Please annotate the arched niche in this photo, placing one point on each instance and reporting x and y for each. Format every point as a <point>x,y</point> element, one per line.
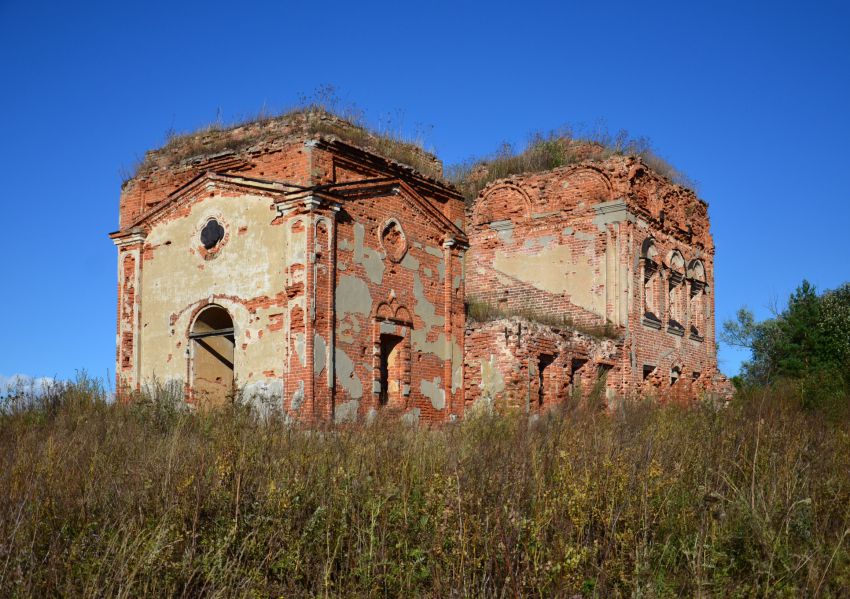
<point>501,202</point>
<point>698,289</point>
<point>676,300</point>
<point>585,185</point>
<point>651,277</point>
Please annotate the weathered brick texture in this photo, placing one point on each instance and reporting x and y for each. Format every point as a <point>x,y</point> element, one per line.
<point>604,243</point>
<point>324,280</point>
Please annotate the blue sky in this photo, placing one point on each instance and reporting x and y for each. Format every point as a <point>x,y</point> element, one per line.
<point>752,100</point>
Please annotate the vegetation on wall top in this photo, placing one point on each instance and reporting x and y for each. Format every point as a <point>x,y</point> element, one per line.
<point>562,147</point>
<point>323,113</point>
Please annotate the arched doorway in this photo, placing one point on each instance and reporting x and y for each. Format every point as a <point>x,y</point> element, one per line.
<point>212,342</point>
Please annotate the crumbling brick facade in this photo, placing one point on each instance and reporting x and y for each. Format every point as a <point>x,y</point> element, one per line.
<point>330,282</point>
<point>611,247</point>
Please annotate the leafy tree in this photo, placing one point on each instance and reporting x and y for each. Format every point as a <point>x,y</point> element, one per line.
<point>807,342</point>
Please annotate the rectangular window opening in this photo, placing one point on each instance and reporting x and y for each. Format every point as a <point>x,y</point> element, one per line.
<point>543,362</point>
<point>390,368</point>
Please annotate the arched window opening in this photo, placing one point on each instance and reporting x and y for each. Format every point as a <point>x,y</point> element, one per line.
<point>212,351</point>
<point>696,300</point>
<point>651,279</point>
<point>675,375</point>
<point>676,292</point>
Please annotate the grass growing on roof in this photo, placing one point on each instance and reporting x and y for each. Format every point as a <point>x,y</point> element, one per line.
<point>555,149</point>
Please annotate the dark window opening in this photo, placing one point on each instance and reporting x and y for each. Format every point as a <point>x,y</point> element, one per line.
<point>211,234</point>
<point>576,364</point>
<point>647,371</point>
<point>675,375</point>
<point>390,368</point>
<point>543,362</point>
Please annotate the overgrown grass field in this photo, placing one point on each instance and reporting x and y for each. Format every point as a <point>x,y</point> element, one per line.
<point>102,499</point>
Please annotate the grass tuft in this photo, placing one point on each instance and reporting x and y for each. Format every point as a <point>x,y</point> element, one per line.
<point>321,113</point>
<point>547,151</point>
<point>145,499</point>
<point>482,311</point>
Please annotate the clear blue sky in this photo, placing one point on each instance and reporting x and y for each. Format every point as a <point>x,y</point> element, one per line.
<point>752,100</point>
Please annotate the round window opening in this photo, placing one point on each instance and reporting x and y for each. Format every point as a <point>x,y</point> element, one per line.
<point>211,234</point>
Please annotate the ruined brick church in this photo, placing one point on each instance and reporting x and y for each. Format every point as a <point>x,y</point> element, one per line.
<point>299,262</point>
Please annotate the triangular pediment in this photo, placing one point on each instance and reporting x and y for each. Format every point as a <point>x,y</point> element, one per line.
<point>210,181</point>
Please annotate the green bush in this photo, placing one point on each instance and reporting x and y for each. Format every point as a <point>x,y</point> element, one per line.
<point>806,344</point>
<point>142,499</point>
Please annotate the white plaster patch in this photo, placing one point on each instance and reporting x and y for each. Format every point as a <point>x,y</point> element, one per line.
<point>504,229</point>
<point>371,259</point>
<point>409,262</point>
<point>492,383</point>
<point>538,241</point>
<point>346,411</point>
<point>411,418</point>
<point>423,308</point>
<point>434,391</point>
<point>264,396</point>
<point>352,296</point>
<point>320,354</point>
<point>437,252</point>
<point>557,270</point>
<point>301,348</point>
<point>346,375</point>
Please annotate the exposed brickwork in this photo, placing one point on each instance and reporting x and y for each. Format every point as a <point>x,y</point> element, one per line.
<point>605,243</point>
<point>339,280</point>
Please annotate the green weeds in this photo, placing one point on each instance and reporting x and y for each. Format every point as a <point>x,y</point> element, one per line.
<point>148,499</point>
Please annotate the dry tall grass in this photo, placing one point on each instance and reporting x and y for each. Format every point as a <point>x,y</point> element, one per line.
<point>99,499</point>
<point>322,113</point>
<point>478,310</point>
<point>555,149</point>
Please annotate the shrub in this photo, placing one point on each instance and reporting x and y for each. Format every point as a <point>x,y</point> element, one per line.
<point>105,499</point>
<point>807,344</point>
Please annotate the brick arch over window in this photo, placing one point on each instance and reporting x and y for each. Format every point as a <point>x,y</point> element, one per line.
<point>698,288</point>
<point>676,292</point>
<point>503,201</point>
<point>391,335</point>
<point>586,184</point>
<point>651,278</point>
<point>212,352</point>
